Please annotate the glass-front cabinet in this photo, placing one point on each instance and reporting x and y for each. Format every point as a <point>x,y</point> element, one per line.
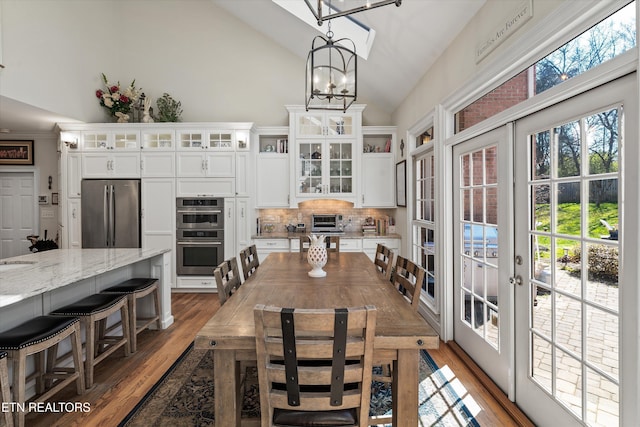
<point>325,167</point>
<point>326,156</point>
<point>326,124</point>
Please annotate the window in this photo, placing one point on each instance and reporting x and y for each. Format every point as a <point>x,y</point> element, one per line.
<point>602,42</point>
<point>424,245</point>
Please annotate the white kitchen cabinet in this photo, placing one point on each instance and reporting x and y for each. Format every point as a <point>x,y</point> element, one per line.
<point>378,168</point>
<point>158,215</point>
<point>378,181</point>
<point>370,244</point>
<point>120,140</point>
<point>230,228</point>
<point>244,223</point>
<point>350,245</point>
<point>201,283</point>
<point>74,224</point>
<point>207,187</point>
<point>74,174</point>
<point>266,246</point>
<point>157,153</point>
<point>243,173</point>
<point>323,124</point>
<point>326,153</point>
<point>205,163</point>
<point>272,180</point>
<point>111,165</point>
<point>157,164</point>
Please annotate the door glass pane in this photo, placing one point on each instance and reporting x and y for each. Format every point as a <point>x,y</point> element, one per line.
<point>574,283</point>
<point>310,168</point>
<point>479,246</point>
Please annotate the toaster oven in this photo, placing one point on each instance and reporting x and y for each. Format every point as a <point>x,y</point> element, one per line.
<point>326,223</point>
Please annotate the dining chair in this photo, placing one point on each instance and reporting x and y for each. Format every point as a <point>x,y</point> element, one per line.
<point>249,260</point>
<point>384,260</point>
<point>407,279</point>
<point>227,278</point>
<point>332,242</point>
<point>314,365</point>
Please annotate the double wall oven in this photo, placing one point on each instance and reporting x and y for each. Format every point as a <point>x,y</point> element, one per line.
<point>200,235</point>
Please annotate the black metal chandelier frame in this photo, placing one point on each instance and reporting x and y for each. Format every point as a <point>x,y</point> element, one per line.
<point>317,11</point>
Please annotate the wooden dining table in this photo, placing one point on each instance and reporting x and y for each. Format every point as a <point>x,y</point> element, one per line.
<point>352,280</point>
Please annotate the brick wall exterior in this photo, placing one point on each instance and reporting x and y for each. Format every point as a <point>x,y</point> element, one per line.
<point>506,95</point>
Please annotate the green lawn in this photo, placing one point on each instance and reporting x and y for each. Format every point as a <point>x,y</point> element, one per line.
<point>568,222</point>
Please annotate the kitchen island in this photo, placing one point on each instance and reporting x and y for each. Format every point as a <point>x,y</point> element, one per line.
<point>35,284</point>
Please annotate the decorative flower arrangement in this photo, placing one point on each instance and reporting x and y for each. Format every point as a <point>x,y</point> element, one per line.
<point>117,100</point>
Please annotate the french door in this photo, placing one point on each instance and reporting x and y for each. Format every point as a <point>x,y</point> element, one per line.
<point>483,250</point>
<point>568,224</point>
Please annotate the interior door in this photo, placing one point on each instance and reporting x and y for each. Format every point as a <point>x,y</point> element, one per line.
<point>17,213</point>
<point>483,252</point>
<point>568,230</point>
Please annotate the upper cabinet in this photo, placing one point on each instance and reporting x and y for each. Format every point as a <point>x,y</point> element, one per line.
<point>324,157</point>
<point>272,179</point>
<point>378,176</point>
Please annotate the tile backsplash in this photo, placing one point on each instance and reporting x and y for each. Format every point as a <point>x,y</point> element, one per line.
<point>280,218</point>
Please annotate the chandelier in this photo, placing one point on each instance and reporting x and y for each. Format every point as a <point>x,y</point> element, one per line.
<point>331,75</point>
<point>335,13</point>
<point>330,82</point>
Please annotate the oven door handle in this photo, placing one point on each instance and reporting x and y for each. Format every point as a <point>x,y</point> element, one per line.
<point>199,243</point>
<point>200,211</point>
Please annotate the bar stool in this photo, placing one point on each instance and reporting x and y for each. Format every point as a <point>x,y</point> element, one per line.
<point>4,387</point>
<point>135,289</point>
<point>94,310</point>
<point>34,337</point>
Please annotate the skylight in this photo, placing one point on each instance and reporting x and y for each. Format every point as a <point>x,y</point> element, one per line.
<point>343,27</point>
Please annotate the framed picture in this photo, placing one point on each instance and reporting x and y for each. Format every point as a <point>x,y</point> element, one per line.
<point>16,152</point>
<point>401,183</point>
<point>54,198</point>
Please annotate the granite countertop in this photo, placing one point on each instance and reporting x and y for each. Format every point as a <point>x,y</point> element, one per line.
<point>346,235</point>
<point>29,275</point>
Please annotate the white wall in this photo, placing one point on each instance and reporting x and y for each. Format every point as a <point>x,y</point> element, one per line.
<point>218,67</point>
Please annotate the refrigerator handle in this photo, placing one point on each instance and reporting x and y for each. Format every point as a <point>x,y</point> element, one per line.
<point>113,216</point>
<point>105,216</point>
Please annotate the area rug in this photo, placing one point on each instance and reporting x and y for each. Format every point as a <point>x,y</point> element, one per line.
<point>184,396</point>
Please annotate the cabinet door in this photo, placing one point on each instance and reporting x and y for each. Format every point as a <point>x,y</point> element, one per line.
<point>190,164</point>
<point>158,206</point>
<point>378,180</point>
<point>157,164</point>
<point>74,225</point>
<point>243,226</point>
<point>309,168</point>
<point>339,168</point>
<point>243,171</point>
<point>230,224</point>
<point>96,165</point>
<point>125,165</point>
<point>220,165</point>
<point>272,181</point>
<point>74,174</point>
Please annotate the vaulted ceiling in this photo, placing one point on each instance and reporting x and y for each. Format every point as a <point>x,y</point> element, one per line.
<point>408,40</point>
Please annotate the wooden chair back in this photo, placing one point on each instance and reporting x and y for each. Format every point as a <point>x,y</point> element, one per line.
<point>384,260</point>
<point>327,356</point>
<point>408,279</point>
<point>249,260</point>
<point>227,279</point>
<point>332,242</point>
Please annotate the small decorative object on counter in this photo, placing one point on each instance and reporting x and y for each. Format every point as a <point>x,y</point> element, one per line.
<point>317,255</point>
<point>169,110</point>
<point>148,111</point>
<point>117,100</point>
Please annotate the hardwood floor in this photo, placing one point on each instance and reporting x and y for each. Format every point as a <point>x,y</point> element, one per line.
<point>121,382</point>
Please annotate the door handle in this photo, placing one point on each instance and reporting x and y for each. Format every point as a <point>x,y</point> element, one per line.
<point>515,280</point>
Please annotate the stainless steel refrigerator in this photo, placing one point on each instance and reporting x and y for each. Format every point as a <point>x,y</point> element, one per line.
<point>110,213</point>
